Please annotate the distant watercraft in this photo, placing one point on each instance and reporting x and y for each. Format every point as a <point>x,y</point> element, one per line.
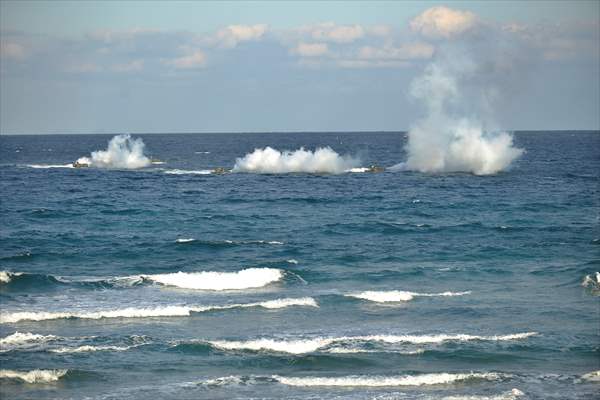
<point>375,168</point>
<point>77,164</point>
<point>220,171</point>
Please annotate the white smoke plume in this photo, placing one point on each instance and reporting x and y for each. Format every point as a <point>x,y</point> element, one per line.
<point>122,152</point>
<point>271,161</point>
<point>459,89</point>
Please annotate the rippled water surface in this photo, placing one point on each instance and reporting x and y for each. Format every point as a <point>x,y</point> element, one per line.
<point>160,283</point>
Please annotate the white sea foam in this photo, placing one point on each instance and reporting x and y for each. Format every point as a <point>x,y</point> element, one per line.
<point>165,311</point>
<point>309,345</point>
<point>377,381</point>
<point>34,376</point>
<point>6,276</point>
<point>424,339</point>
<point>122,152</point>
<point>19,338</point>
<point>88,348</point>
<point>292,261</point>
<point>593,376</point>
<point>185,240</point>
<point>44,166</point>
<point>511,395</point>
<point>298,346</point>
<point>209,280</point>
<point>592,281</point>
<point>188,172</point>
<point>271,161</point>
<point>399,295</point>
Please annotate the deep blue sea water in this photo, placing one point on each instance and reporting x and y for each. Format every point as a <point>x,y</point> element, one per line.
<point>492,265</point>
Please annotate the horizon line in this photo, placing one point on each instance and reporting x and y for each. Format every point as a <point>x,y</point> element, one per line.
<point>277,132</point>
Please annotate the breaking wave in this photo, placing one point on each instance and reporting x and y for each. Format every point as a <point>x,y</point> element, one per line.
<point>271,161</point>
<point>398,295</point>
<point>513,394</point>
<point>34,376</point>
<point>379,381</point>
<point>592,282</point>
<point>19,338</point>
<point>593,376</point>
<point>6,276</point>
<point>309,345</point>
<point>122,152</point>
<point>210,280</point>
<point>165,311</point>
<point>204,280</point>
<point>88,348</point>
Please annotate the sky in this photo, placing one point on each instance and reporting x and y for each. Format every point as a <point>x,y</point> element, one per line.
<point>191,66</point>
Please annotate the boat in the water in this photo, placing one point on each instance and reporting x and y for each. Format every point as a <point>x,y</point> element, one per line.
<point>77,164</point>
<point>220,171</point>
<point>375,168</point>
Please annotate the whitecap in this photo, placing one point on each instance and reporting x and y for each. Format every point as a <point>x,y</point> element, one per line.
<point>164,311</point>
<point>593,376</point>
<point>298,346</point>
<point>292,261</point>
<point>188,172</point>
<point>399,295</point>
<point>381,381</point>
<point>34,376</point>
<point>424,339</point>
<point>313,344</point>
<point>19,338</point>
<point>88,348</point>
<point>511,395</point>
<point>210,280</point>
<point>6,276</point>
<point>592,282</point>
<point>185,240</point>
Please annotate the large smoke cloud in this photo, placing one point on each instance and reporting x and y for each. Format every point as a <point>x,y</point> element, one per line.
<point>459,88</point>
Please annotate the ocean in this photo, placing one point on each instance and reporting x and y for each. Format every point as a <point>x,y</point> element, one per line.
<point>176,281</point>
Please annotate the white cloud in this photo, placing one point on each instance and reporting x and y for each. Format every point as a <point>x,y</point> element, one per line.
<point>408,51</point>
<point>12,51</point>
<point>197,59</point>
<point>135,65</point>
<point>311,49</point>
<point>443,22</point>
<point>233,34</point>
<point>372,63</point>
<point>330,32</point>
<point>379,30</point>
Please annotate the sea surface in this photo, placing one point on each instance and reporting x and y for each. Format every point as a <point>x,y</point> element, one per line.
<point>172,282</point>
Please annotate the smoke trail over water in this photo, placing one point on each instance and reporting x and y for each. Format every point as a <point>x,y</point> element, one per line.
<point>122,152</point>
<point>458,90</point>
<point>271,161</point>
